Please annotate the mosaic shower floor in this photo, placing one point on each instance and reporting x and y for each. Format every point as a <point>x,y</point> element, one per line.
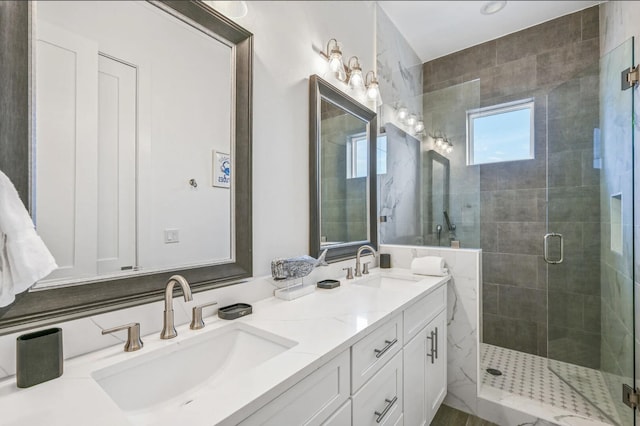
<point>527,376</point>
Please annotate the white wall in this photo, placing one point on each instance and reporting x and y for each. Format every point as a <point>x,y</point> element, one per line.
<point>288,36</point>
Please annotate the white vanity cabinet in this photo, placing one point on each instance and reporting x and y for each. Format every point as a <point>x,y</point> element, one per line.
<point>311,401</point>
<point>425,358</point>
<point>379,401</point>
<point>395,375</point>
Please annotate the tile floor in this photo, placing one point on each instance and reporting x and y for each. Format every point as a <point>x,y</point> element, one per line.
<point>527,375</point>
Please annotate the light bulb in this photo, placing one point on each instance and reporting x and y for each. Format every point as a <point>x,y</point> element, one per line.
<point>355,81</point>
<point>335,61</point>
<point>373,91</point>
<point>411,120</point>
<point>419,127</point>
<point>402,113</point>
<point>449,149</point>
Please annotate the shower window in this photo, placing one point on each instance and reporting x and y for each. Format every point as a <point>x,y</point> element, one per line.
<point>500,133</point>
<point>358,156</point>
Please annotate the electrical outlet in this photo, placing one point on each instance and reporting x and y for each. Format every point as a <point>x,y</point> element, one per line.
<point>171,236</point>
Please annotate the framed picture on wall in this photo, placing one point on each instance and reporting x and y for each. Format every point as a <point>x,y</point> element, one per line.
<point>221,170</point>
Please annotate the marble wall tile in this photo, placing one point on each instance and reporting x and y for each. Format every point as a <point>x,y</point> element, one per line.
<point>399,69</point>
<point>463,317</point>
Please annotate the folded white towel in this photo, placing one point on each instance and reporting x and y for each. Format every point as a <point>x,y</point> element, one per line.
<point>429,265</point>
<point>24,258</point>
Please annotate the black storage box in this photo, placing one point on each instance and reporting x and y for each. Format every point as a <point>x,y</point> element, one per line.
<point>39,357</point>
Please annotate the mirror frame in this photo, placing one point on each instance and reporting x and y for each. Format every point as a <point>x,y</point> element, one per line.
<point>432,156</point>
<point>42,307</point>
<point>320,90</point>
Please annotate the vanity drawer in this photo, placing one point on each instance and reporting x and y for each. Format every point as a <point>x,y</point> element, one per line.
<point>311,401</point>
<point>374,350</point>
<point>379,402</point>
<point>341,417</point>
<point>424,310</point>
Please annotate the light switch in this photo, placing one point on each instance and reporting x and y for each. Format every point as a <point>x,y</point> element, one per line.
<point>171,236</point>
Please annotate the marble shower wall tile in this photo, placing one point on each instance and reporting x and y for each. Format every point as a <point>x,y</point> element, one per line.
<point>399,189</point>
<point>463,310</point>
<point>399,69</point>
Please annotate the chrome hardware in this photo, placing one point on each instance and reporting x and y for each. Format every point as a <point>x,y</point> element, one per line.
<point>168,328</point>
<point>349,272</point>
<point>435,340</point>
<point>384,412</point>
<point>196,316</point>
<point>629,77</point>
<point>630,396</point>
<point>193,183</point>
<point>546,248</point>
<point>433,354</point>
<point>380,352</point>
<point>134,342</point>
<point>359,253</point>
<point>365,268</point>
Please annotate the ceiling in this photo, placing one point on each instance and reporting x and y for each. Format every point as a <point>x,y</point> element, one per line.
<point>437,28</point>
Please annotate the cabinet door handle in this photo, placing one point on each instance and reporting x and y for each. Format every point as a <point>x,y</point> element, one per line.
<point>380,352</point>
<point>384,412</point>
<point>433,352</point>
<point>435,340</point>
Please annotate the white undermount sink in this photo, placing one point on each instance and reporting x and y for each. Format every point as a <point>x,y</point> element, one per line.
<point>389,280</point>
<point>148,385</point>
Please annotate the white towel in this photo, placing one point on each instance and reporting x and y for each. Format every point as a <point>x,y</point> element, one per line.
<point>429,265</point>
<point>24,258</point>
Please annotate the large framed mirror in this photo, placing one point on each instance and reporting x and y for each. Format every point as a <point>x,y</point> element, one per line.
<point>342,167</point>
<point>135,146</point>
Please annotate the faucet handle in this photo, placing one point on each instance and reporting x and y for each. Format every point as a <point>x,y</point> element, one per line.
<point>365,268</point>
<point>196,316</point>
<point>349,272</point>
<point>134,342</point>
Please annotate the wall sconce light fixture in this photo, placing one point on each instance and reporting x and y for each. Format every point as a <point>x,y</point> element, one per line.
<point>334,56</point>
<point>373,89</point>
<point>356,81</point>
<point>352,73</point>
<point>442,144</point>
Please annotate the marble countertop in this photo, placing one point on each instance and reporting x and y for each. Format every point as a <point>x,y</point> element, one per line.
<point>323,323</point>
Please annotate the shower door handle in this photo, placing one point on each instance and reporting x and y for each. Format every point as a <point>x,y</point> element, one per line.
<point>546,248</point>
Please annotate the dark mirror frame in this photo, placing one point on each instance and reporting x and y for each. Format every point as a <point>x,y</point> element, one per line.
<point>432,156</point>
<point>48,306</point>
<point>320,90</point>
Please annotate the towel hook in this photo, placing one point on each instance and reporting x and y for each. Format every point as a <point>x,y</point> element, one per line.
<point>193,183</point>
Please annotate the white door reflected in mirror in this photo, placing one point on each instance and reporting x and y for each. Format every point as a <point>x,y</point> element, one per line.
<point>126,119</point>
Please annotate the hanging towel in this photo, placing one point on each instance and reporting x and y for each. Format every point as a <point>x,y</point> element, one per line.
<point>24,258</point>
<point>429,265</point>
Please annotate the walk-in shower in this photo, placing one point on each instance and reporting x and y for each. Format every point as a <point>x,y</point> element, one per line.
<point>555,225</point>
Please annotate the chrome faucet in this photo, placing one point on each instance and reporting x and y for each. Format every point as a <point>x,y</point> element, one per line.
<point>358,254</point>
<point>168,328</point>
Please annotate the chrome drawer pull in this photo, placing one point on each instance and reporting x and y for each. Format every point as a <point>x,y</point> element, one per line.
<point>380,352</point>
<point>390,403</point>
<point>433,353</point>
<point>435,340</point>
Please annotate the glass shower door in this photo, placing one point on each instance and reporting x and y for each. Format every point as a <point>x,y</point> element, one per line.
<point>589,242</point>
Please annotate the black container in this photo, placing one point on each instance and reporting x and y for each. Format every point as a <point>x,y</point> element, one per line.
<point>234,311</point>
<point>385,260</point>
<point>38,357</point>
<point>328,284</point>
